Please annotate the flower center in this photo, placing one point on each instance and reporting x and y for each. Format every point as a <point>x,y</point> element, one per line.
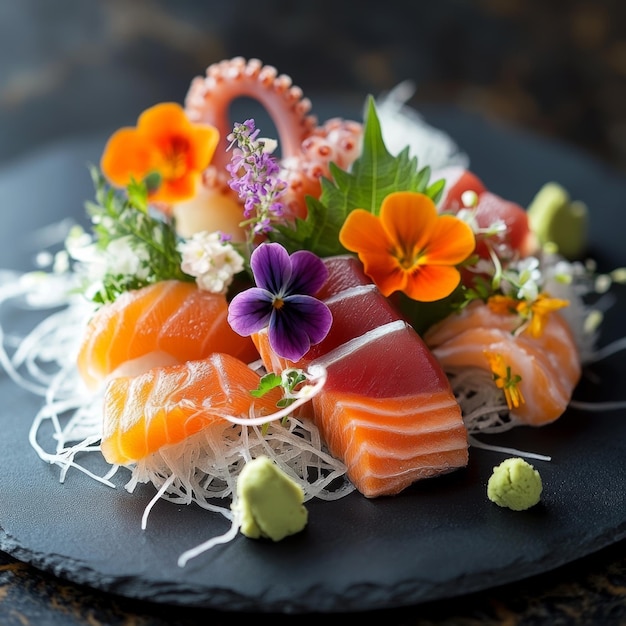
<point>278,303</point>
<point>407,257</point>
<point>175,158</point>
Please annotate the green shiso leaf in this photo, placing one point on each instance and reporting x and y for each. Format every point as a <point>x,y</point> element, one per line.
<point>373,176</point>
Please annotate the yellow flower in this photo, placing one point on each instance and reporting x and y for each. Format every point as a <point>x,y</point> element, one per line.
<point>166,142</point>
<point>409,247</point>
<point>535,313</point>
<point>502,304</point>
<point>538,310</point>
<point>505,380</point>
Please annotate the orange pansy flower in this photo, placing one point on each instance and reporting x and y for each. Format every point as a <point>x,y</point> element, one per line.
<point>409,247</point>
<point>166,142</point>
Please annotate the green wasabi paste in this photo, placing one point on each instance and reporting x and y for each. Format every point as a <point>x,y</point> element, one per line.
<point>515,484</point>
<point>269,502</point>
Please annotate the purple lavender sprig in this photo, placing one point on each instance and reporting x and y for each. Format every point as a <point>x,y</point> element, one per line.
<point>255,178</point>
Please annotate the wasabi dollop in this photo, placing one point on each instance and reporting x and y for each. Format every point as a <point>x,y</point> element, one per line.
<point>515,484</point>
<point>556,220</point>
<point>269,503</point>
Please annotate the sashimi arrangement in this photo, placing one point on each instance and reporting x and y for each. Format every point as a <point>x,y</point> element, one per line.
<point>356,315</point>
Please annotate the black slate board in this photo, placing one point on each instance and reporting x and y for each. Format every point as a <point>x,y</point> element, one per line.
<point>439,539</point>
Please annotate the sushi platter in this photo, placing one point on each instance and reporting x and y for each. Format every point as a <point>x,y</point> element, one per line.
<point>439,538</point>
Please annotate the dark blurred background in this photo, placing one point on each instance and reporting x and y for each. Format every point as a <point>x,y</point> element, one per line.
<point>555,67</point>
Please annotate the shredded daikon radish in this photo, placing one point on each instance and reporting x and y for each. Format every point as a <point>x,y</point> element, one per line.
<point>42,361</point>
<point>206,465</point>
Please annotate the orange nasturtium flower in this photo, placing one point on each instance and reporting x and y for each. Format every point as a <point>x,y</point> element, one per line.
<point>409,247</point>
<point>165,142</point>
<point>505,380</point>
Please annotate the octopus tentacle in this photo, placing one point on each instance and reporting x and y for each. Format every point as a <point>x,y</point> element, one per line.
<point>306,148</point>
<point>208,100</point>
<point>337,141</point>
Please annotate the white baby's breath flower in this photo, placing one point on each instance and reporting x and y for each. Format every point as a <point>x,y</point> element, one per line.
<point>497,227</point>
<point>210,260</point>
<point>562,272</point>
<point>469,198</point>
<point>122,258</point>
<point>523,279</point>
<point>529,290</point>
<point>93,263</point>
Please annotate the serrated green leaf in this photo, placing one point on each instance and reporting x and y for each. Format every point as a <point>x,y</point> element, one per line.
<point>373,176</point>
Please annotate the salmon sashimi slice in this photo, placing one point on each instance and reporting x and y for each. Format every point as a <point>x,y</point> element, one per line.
<point>387,409</point>
<point>166,323</point>
<point>549,365</point>
<point>166,405</point>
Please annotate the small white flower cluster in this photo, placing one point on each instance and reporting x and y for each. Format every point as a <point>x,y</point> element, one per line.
<point>93,263</point>
<point>212,261</point>
<point>523,279</point>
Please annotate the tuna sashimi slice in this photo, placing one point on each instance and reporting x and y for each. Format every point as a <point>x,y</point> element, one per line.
<point>355,310</point>
<point>387,409</point>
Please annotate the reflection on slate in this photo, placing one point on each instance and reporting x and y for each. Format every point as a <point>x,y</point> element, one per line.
<point>557,68</point>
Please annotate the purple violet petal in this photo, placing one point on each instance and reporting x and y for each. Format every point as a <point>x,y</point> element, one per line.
<point>271,266</point>
<point>311,315</point>
<point>301,322</point>
<point>287,338</point>
<point>250,311</point>
<point>308,273</point>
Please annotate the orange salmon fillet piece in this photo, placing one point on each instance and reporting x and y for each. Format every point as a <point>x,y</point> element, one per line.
<point>165,323</point>
<point>166,405</point>
<point>549,365</point>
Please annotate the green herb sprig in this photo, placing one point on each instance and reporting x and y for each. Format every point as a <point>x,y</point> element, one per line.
<point>289,380</point>
<point>116,216</point>
<point>373,176</point>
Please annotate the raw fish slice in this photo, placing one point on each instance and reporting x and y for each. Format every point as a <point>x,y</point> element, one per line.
<point>518,237</point>
<point>344,271</point>
<point>387,409</point>
<point>549,365</point>
<point>165,323</point>
<point>388,412</point>
<point>166,405</point>
<point>355,311</point>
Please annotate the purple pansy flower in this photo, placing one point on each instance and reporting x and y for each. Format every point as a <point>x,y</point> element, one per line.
<point>283,300</point>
